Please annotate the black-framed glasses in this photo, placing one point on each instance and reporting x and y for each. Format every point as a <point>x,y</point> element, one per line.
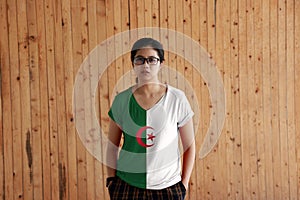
<point>141,60</point>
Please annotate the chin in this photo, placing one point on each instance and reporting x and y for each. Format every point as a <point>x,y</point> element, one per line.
<point>146,80</point>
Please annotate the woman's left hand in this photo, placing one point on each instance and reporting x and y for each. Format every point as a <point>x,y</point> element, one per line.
<point>185,183</point>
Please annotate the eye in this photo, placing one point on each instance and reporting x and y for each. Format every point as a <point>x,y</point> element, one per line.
<point>139,60</point>
<point>153,60</point>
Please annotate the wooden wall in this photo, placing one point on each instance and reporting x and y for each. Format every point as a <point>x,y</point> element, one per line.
<point>255,44</point>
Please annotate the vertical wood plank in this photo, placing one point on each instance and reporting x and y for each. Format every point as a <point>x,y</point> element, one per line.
<point>133,24</point>
<point>249,133</point>
<point>219,59</point>
<point>237,49</point>
<point>7,178</point>
<point>140,12</point>
<point>77,183</point>
<point>266,83</point>
<point>291,133</point>
<point>100,189</point>
<point>35,100</point>
<point>258,93</point>
<point>163,23</point>
<point>118,42</point>
<point>88,162</point>
<point>82,154</point>
<point>228,126</point>
<point>171,24</point>
<point>125,26</point>
<point>187,30</point>
<point>71,173</point>
<point>25,103</point>
<point>187,73</point>
<point>204,99</point>
<point>179,41</point>
<point>275,99</point>
<point>110,52</point>
<point>148,17</point>
<point>196,177</point>
<point>51,79</point>
<point>15,101</point>
<point>77,59</point>
<point>110,79</point>
<point>103,93</point>
<point>155,15</point>
<point>212,160</point>
<point>2,184</point>
<point>44,112</point>
<point>282,88</point>
<point>242,90</point>
<point>92,42</point>
<point>4,59</point>
<point>297,89</point>
<point>231,81</point>
<point>133,14</point>
<point>61,106</point>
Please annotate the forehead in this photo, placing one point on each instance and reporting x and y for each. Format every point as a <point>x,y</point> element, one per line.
<point>146,52</point>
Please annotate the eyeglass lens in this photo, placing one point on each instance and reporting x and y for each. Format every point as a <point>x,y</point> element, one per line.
<point>141,60</point>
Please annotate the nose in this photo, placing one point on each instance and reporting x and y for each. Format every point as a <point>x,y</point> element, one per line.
<point>146,65</point>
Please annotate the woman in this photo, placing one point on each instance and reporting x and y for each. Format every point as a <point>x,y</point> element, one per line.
<point>152,117</point>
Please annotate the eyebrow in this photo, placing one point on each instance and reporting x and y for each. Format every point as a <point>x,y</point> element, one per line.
<point>139,56</point>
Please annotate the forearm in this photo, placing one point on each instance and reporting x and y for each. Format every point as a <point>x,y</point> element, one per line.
<point>188,163</point>
<point>111,160</point>
<point>112,149</point>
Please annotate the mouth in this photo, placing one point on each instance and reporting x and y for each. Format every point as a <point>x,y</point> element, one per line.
<point>145,72</point>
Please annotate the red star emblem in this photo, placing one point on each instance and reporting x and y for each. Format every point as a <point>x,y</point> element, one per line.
<point>150,137</point>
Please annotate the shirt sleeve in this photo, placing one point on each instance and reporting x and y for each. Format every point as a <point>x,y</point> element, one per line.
<point>185,112</point>
<point>119,107</point>
<point>114,111</point>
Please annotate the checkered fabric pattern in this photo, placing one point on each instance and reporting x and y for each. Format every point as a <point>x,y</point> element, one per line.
<point>120,190</point>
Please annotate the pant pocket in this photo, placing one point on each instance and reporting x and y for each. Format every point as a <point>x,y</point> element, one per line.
<point>182,186</point>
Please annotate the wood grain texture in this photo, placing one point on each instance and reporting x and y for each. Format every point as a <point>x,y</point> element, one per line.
<point>255,45</point>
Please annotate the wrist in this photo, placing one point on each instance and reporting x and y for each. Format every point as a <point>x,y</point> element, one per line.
<point>185,181</point>
<point>109,180</point>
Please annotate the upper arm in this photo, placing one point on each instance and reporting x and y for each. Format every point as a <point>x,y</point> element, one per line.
<point>187,134</point>
<point>114,133</point>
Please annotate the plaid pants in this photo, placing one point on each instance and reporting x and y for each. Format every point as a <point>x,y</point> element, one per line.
<point>120,190</point>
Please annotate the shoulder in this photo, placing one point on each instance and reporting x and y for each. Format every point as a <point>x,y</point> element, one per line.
<point>123,94</point>
<point>121,99</point>
<point>119,103</point>
<point>175,92</point>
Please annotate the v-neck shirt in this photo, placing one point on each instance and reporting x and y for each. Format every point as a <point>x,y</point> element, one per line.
<point>150,155</point>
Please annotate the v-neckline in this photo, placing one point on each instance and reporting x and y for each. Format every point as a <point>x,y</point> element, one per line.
<point>155,104</point>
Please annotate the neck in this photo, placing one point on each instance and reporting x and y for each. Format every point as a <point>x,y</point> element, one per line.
<point>142,82</point>
<point>149,87</point>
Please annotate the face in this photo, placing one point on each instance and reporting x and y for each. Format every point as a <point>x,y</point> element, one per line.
<point>148,71</point>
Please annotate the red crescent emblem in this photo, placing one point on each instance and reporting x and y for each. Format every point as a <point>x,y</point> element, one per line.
<point>139,136</point>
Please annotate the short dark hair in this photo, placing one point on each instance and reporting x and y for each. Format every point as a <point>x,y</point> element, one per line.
<point>148,42</point>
